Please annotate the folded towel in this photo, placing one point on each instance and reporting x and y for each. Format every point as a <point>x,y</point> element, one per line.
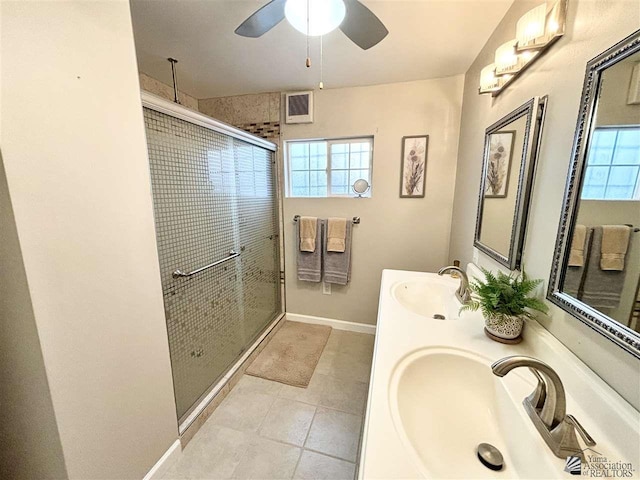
<point>574,276</point>
<point>336,232</point>
<point>615,242</point>
<point>602,288</point>
<point>307,227</point>
<point>310,263</point>
<point>576,254</point>
<point>337,266</point>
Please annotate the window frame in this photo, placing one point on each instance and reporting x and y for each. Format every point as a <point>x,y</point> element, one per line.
<point>610,165</point>
<point>329,142</point>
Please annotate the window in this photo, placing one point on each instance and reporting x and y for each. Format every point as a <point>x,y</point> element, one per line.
<point>613,165</point>
<point>328,168</point>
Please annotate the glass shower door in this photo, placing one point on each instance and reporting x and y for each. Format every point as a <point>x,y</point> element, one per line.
<point>212,194</point>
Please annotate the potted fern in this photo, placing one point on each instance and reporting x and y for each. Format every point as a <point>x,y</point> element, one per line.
<point>504,302</point>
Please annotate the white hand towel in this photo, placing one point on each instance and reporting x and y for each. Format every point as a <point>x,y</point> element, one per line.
<point>336,234</point>
<point>615,242</point>
<point>308,230</point>
<point>576,254</point>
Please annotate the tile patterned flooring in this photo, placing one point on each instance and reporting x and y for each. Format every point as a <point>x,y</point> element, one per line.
<point>267,430</point>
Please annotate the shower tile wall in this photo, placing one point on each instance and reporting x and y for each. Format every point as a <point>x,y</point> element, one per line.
<point>212,194</point>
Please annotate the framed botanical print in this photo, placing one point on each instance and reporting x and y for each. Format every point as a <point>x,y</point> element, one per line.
<point>499,163</point>
<point>413,174</point>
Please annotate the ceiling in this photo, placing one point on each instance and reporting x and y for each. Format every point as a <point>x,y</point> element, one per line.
<point>427,39</point>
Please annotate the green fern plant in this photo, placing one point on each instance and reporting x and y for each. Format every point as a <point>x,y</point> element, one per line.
<point>502,296</point>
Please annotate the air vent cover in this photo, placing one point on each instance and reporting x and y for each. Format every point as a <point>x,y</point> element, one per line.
<point>299,107</point>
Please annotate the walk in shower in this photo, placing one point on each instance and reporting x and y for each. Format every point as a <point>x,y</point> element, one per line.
<point>216,215</point>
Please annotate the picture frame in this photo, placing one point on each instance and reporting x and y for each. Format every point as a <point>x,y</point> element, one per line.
<point>413,166</point>
<point>499,158</point>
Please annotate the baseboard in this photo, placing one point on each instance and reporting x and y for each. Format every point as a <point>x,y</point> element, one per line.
<point>337,324</point>
<point>165,462</point>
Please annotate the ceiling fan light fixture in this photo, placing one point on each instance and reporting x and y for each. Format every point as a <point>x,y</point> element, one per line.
<point>323,16</point>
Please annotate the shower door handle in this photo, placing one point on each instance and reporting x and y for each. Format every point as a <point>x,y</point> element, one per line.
<point>179,273</point>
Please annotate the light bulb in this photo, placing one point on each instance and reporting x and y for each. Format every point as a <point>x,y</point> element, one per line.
<point>506,57</point>
<point>324,15</point>
<point>531,25</point>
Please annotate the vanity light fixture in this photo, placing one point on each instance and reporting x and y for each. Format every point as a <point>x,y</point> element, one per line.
<point>536,31</point>
<point>490,82</point>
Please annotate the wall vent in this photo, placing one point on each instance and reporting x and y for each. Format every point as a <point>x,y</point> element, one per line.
<point>299,107</point>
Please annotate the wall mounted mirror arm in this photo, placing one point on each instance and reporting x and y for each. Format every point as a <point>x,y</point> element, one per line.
<point>593,279</point>
<point>510,154</point>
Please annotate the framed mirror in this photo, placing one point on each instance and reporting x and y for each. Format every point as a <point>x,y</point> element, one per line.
<point>510,151</point>
<point>595,274</point>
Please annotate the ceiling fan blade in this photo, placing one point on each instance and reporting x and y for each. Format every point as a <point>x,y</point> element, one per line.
<point>262,20</point>
<point>361,25</point>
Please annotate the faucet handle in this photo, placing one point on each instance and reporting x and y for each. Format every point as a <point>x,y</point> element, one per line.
<point>588,440</point>
<point>539,395</point>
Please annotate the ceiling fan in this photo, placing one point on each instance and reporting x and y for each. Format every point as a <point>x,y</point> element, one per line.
<point>354,19</point>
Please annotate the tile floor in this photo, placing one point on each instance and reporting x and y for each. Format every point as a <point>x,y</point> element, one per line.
<point>267,430</point>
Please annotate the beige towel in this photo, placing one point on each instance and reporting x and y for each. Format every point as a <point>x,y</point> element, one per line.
<point>576,254</point>
<point>336,233</point>
<point>308,226</point>
<point>615,241</point>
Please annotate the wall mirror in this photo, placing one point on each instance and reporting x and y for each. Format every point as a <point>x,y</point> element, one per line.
<point>510,151</point>
<point>595,274</point>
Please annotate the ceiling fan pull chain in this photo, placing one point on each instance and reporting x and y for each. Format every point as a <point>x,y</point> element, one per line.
<point>321,86</point>
<point>308,53</point>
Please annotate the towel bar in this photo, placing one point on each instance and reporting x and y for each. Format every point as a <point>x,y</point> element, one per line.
<point>179,273</point>
<point>354,220</point>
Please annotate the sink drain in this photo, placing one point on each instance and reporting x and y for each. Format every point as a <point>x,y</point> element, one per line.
<point>438,316</point>
<point>490,456</point>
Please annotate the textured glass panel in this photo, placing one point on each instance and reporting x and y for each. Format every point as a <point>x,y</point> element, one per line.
<point>621,183</point>
<point>602,144</point>
<point>357,174</point>
<point>627,147</point>
<point>318,161</point>
<point>299,150</point>
<point>340,160</point>
<point>299,163</point>
<point>211,194</point>
<point>360,160</point>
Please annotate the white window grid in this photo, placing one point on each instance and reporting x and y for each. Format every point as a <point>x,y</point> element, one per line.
<point>363,166</point>
<point>605,158</point>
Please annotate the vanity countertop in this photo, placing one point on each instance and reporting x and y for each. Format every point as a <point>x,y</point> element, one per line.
<point>385,454</point>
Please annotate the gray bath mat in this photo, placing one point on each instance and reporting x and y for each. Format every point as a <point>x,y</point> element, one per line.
<point>292,354</point>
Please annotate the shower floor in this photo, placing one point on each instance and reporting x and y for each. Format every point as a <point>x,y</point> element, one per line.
<point>267,430</point>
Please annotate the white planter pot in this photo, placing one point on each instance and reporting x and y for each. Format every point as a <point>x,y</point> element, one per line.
<point>509,328</point>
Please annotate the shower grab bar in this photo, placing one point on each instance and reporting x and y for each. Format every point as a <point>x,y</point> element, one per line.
<point>179,273</point>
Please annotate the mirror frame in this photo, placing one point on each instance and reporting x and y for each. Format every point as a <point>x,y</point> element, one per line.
<point>614,331</point>
<point>534,110</point>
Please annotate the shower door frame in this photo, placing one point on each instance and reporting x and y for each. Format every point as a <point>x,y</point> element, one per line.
<point>181,112</point>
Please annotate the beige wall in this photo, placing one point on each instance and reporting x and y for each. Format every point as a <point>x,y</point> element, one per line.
<point>410,234</point>
<point>156,87</point>
<point>29,441</point>
<point>593,26</point>
<point>76,166</point>
<point>612,105</point>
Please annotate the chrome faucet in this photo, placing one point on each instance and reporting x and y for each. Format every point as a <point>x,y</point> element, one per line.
<point>463,293</point>
<point>547,405</point>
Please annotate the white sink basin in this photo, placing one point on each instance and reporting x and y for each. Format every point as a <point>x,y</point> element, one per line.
<point>428,297</point>
<point>444,402</point>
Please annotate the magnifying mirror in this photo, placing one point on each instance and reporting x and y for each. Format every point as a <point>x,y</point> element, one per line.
<point>361,186</point>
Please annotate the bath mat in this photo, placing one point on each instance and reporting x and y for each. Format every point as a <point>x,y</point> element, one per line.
<point>292,354</point>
